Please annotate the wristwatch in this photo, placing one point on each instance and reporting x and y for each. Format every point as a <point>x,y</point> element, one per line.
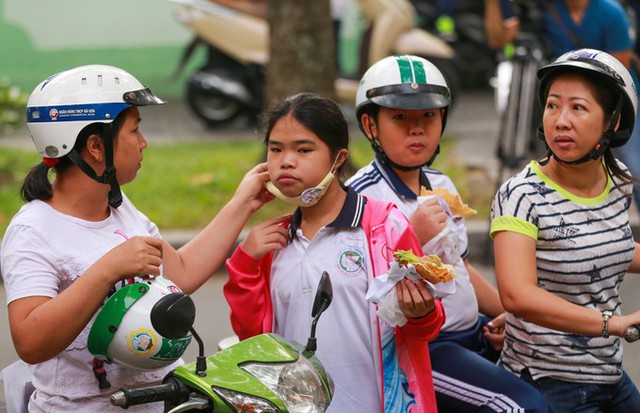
<point>606,315</point>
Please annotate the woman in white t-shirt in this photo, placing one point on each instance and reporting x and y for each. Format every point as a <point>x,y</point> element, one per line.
<point>78,237</point>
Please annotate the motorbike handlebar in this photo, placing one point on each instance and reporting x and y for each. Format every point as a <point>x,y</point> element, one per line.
<point>632,333</point>
<point>172,390</point>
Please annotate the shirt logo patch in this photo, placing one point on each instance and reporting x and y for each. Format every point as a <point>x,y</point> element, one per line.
<point>351,262</point>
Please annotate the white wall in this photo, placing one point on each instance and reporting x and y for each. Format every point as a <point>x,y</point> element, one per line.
<point>83,23</point>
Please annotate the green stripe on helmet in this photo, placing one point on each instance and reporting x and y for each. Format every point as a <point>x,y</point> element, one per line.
<point>411,71</point>
<point>419,72</point>
<point>406,73</point>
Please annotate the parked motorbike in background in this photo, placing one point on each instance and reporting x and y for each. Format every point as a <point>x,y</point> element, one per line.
<point>231,81</point>
<point>262,374</point>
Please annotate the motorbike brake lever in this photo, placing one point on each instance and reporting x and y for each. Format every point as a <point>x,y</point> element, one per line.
<point>196,403</point>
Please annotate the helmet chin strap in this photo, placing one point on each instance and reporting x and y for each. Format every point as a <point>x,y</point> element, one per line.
<point>107,177</point>
<point>378,150</point>
<point>598,150</point>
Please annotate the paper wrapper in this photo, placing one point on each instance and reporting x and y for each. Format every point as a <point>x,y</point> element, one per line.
<point>453,202</point>
<point>382,292</point>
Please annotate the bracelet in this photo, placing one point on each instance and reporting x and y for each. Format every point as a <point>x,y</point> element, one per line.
<point>606,315</point>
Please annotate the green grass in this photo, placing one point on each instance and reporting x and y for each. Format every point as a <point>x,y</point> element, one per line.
<point>182,186</point>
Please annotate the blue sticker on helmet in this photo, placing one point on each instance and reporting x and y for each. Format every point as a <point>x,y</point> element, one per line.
<point>72,113</point>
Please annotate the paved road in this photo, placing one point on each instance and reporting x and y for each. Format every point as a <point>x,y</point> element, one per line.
<point>212,322</point>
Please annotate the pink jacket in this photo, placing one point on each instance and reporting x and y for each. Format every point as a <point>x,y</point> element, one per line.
<point>387,230</point>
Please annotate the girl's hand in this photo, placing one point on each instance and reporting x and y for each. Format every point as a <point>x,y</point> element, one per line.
<point>428,220</point>
<point>136,256</point>
<point>494,332</point>
<point>267,236</point>
<point>251,191</point>
<point>414,298</point>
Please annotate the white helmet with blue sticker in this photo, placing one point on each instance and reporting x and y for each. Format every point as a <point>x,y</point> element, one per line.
<point>63,104</point>
<point>612,72</point>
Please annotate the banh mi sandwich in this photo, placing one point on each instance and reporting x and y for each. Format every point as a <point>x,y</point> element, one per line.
<point>429,267</point>
<point>456,205</point>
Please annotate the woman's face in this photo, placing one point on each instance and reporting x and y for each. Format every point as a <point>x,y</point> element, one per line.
<point>128,147</point>
<point>573,119</point>
<point>296,157</point>
<point>409,137</point>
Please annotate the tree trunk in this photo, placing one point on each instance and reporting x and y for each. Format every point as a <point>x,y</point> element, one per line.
<point>302,49</point>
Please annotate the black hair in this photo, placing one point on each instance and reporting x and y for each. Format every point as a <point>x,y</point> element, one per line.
<point>607,96</point>
<point>36,184</point>
<point>319,114</point>
<point>370,109</point>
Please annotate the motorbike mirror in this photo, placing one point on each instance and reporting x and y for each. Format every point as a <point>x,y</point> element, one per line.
<point>173,315</point>
<point>324,295</point>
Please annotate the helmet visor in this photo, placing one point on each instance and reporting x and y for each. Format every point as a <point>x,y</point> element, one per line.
<point>410,96</point>
<point>142,97</point>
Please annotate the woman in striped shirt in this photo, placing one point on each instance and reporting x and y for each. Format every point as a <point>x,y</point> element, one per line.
<point>563,242</point>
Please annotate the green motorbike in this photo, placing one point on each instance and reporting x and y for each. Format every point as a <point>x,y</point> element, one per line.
<point>262,374</point>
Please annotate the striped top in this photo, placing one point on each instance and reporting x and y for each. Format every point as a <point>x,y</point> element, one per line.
<point>583,248</point>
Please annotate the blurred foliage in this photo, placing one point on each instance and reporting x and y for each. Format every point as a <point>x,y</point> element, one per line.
<point>13,103</point>
<point>183,185</point>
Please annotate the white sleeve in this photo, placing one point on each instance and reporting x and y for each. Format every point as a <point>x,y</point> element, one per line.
<point>28,267</point>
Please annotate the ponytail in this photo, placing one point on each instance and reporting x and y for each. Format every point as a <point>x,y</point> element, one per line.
<point>614,169</point>
<point>36,185</point>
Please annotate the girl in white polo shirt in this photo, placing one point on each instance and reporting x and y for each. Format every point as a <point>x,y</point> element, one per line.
<point>273,273</point>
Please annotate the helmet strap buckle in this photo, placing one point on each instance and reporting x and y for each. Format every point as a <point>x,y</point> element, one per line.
<point>100,373</point>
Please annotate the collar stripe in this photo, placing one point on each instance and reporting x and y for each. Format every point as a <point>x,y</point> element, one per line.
<point>357,217</point>
<point>396,183</point>
<point>350,215</point>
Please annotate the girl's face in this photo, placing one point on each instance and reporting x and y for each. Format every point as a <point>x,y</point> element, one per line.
<point>296,157</point>
<point>573,120</point>
<point>128,147</point>
<point>409,137</point>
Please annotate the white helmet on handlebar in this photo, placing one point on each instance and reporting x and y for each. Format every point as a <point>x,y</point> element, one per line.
<point>402,82</point>
<point>123,331</point>
<point>64,104</point>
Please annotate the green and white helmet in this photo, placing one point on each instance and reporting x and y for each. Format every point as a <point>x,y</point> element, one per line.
<point>403,82</point>
<point>124,332</point>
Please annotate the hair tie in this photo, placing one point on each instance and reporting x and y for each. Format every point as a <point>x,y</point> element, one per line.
<point>51,162</point>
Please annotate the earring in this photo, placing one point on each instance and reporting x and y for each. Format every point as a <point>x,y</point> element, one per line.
<point>100,159</point>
